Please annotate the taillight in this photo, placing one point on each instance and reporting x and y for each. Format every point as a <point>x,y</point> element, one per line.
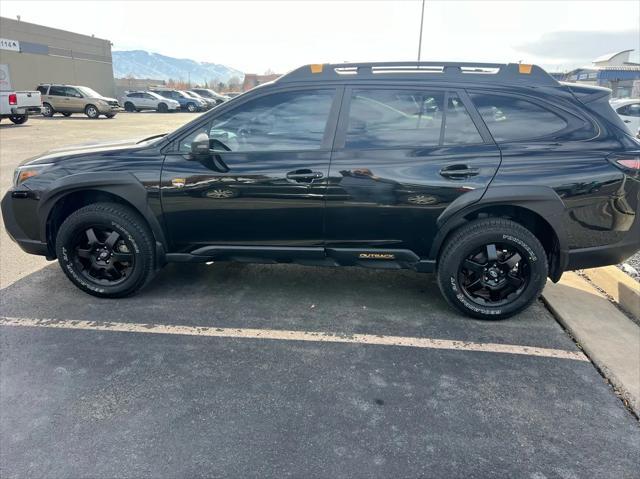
<point>627,161</point>
<point>13,99</point>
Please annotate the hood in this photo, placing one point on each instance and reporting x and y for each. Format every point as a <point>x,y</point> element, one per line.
<point>58,154</point>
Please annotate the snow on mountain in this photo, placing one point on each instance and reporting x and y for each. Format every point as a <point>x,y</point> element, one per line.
<point>143,64</point>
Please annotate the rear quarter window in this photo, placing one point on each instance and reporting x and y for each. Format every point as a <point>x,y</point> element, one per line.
<point>510,118</point>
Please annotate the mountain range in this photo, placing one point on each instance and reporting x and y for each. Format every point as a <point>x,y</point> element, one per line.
<point>143,64</point>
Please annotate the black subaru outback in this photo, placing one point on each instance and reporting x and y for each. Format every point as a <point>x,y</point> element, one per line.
<point>493,176</point>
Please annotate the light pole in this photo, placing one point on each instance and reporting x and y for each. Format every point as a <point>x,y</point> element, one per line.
<point>421,25</point>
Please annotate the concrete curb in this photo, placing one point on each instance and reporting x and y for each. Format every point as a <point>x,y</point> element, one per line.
<point>608,337</point>
<point>620,286</point>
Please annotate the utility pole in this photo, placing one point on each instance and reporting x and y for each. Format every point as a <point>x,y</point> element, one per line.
<point>421,25</point>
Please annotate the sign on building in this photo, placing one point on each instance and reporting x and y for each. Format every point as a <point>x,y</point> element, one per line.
<point>7,44</point>
<point>5,79</point>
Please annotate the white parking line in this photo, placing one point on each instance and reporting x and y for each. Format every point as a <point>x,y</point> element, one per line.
<point>284,335</point>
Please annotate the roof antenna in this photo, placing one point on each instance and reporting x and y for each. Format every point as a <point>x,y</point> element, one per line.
<point>421,24</point>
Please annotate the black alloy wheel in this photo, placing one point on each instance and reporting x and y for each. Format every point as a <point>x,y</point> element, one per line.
<point>106,249</point>
<point>494,274</point>
<point>103,256</point>
<point>492,268</point>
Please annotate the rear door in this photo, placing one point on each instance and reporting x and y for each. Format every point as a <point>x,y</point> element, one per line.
<point>57,98</point>
<point>401,156</point>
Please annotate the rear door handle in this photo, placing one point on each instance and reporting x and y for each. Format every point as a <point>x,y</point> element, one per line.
<point>304,176</point>
<point>458,172</point>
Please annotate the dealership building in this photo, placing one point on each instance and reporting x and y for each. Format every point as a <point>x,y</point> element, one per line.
<point>32,54</point>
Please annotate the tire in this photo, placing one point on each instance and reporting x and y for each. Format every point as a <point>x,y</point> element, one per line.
<point>110,115</point>
<point>191,107</point>
<point>474,276</point>
<point>84,257</point>
<point>92,111</point>
<point>19,119</point>
<point>66,113</point>
<point>163,108</point>
<point>47,110</point>
<point>128,106</point>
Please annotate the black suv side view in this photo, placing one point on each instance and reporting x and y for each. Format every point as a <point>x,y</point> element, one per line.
<point>493,176</point>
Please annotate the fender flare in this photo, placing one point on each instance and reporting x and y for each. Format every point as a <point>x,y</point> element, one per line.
<point>121,184</point>
<point>541,200</point>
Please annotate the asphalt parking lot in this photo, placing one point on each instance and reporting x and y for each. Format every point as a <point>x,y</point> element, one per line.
<point>234,370</point>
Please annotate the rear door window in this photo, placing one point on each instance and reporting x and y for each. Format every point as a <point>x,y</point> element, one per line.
<point>394,118</point>
<point>511,118</point>
<point>459,128</point>
<point>57,91</point>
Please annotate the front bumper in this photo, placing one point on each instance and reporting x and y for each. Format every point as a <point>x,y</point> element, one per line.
<point>109,108</point>
<point>18,201</point>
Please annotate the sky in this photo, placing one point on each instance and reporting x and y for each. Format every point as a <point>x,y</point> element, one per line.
<point>255,36</point>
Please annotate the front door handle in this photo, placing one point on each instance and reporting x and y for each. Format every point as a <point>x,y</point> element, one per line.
<point>304,176</point>
<point>458,172</point>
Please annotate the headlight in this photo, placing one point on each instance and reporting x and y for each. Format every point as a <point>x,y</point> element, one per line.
<point>25,172</point>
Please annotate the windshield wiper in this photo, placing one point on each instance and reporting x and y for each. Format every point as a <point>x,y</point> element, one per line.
<point>152,137</point>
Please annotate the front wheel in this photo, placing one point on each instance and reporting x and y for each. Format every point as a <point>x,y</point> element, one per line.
<point>492,268</point>
<point>106,250</point>
<point>163,108</point>
<point>110,115</point>
<point>92,111</point>
<point>19,119</point>
<point>191,107</point>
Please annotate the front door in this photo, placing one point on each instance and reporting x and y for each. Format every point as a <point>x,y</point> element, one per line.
<point>265,183</point>
<point>402,155</point>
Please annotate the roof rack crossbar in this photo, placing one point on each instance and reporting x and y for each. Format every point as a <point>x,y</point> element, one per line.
<point>445,71</point>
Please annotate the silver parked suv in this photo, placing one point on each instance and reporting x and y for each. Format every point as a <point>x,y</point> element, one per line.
<point>68,99</point>
<point>148,100</point>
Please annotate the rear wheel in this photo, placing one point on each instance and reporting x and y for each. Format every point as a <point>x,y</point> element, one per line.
<point>492,268</point>
<point>163,108</point>
<point>128,106</point>
<point>110,115</point>
<point>106,250</point>
<point>92,111</point>
<point>19,119</point>
<point>47,110</point>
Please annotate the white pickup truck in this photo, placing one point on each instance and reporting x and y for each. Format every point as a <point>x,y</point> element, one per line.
<point>18,105</point>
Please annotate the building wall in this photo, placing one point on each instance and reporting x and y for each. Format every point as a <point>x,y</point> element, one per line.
<point>126,84</point>
<point>49,55</point>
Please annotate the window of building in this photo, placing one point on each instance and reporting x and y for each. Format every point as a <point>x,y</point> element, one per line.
<point>509,118</point>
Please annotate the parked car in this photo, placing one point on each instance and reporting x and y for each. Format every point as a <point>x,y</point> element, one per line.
<point>208,93</point>
<point>186,102</point>
<point>18,105</point>
<point>148,100</point>
<point>494,177</point>
<point>69,99</point>
<point>210,103</point>
<point>629,111</point>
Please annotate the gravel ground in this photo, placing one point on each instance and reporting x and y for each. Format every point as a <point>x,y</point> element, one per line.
<point>632,266</point>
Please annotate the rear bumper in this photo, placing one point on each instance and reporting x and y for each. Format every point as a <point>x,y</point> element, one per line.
<point>16,233</point>
<point>25,110</point>
<point>615,253</point>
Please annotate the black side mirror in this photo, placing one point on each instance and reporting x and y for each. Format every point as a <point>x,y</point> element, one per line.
<point>200,147</point>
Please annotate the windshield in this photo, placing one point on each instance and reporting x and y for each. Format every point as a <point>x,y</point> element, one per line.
<point>86,91</point>
<point>194,94</point>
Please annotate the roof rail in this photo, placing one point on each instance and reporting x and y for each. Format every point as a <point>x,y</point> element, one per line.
<point>442,71</point>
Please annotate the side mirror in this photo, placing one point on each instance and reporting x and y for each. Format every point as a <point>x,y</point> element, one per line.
<point>200,147</point>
